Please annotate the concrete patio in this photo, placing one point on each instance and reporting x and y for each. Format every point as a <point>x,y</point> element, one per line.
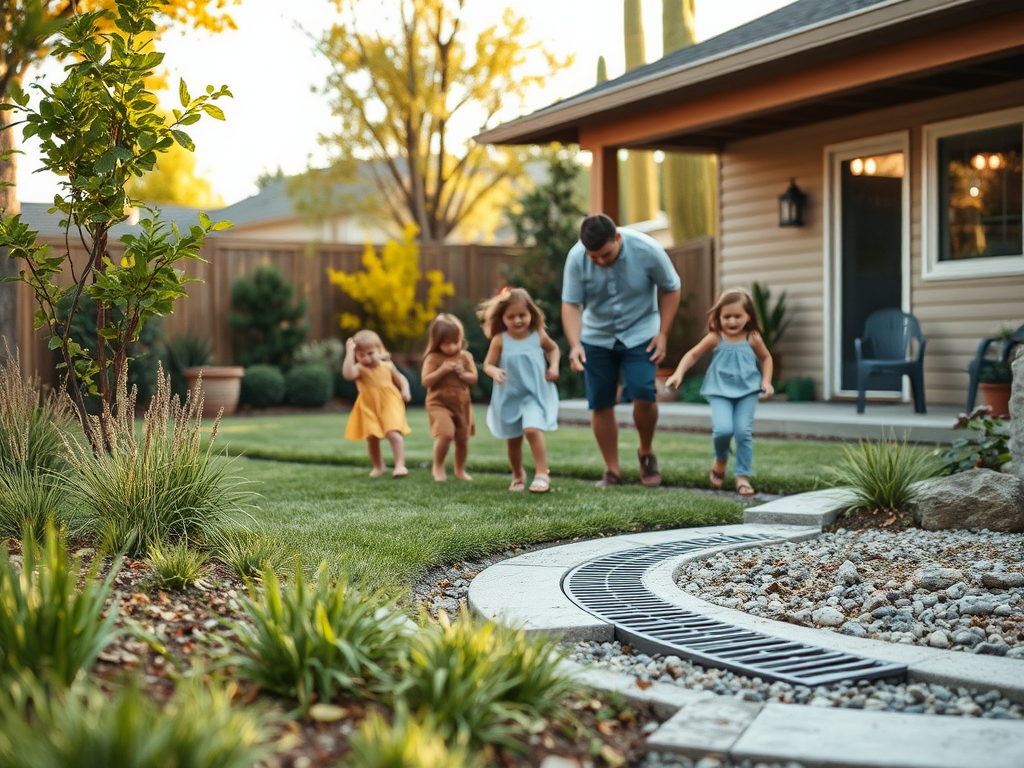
<point>812,419</point>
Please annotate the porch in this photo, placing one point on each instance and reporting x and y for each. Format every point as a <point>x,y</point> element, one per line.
<point>811,419</point>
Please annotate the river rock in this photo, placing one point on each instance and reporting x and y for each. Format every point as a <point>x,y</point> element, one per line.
<point>977,498</point>
<point>1016,465</point>
<point>934,578</point>
<point>1000,580</point>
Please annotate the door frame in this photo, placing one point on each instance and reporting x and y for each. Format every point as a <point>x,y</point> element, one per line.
<point>835,154</point>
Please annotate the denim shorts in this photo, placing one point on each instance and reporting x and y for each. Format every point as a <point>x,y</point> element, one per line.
<point>601,372</point>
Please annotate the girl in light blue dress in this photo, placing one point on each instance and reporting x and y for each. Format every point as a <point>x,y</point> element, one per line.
<point>740,372</point>
<point>523,361</point>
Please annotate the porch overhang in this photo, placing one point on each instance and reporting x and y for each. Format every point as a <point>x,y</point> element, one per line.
<point>892,53</point>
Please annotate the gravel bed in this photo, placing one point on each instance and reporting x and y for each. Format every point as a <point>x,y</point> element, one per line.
<point>882,585</point>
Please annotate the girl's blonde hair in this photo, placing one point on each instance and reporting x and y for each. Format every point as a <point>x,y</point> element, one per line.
<point>491,310</point>
<point>367,339</point>
<point>445,327</point>
<point>734,296</point>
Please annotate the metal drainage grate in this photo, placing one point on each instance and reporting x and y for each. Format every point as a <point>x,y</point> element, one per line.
<point>612,589</point>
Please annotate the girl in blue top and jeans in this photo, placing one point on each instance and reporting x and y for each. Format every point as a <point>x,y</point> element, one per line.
<point>740,372</point>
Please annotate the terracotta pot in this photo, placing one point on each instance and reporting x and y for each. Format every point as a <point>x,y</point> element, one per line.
<point>222,385</point>
<point>996,397</point>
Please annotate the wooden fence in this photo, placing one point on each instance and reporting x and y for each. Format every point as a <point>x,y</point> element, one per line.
<point>475,271</point>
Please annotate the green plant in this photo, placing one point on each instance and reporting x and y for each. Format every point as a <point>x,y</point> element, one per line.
<point>771,318</point>
<point>49,627</point>
<point>997,372</point>
<point>690,391</point>
<point>800,389</point>
<point>97,129</point>
<point>263,386</point>
<point>881,475</point>
<point>331,353</point>
<point>309,386</point>
<point>84,727</point>
<point>483,683</point>
<point>186,351</point>
<point>165,487</point>
<point>318,640</point>
<point>407,742</point>
<point>417,392</point>
<point>176,566</point>
<point>29,502</point>
<point>987,447</point>
<point>248,553</point>
<point>268,326</point>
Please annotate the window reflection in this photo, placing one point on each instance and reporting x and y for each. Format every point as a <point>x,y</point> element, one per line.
<point>980,194</point>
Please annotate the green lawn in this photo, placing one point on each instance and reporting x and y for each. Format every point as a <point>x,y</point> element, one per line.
<point>780,466</point>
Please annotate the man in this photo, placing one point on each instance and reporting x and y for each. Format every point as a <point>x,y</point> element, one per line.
<point>619,297</point>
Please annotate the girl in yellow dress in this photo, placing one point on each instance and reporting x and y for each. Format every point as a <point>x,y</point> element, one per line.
<point>379,410</point>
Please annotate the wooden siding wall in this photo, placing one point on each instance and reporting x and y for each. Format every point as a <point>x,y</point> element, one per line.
<point>955,314</point>
<point>475,271</point>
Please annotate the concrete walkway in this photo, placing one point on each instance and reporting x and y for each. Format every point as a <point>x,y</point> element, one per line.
<point>526,591</point>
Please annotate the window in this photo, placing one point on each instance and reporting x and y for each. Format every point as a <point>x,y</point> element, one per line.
<point>972,202</point>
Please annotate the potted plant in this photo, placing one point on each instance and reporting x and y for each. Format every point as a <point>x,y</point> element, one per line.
<point>994,384</point>
<point>221,386</point>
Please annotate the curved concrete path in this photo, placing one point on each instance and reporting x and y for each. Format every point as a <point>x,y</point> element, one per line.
<point>526,591</point>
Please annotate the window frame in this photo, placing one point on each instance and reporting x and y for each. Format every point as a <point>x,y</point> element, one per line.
<point>931,267</point>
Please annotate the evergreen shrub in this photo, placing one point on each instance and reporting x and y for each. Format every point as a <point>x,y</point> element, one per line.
<point>263,386</point>
<point>268,327</point>
<point>309,386</point>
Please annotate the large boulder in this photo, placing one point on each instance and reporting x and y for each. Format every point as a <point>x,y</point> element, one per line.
<point>1016,465</point>
<point>978,498</point>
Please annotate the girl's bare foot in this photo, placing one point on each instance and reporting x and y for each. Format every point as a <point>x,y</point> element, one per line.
<point>462,475</point>
<point>400,472</point>
<point>377,472</point>
<point>439,474</point>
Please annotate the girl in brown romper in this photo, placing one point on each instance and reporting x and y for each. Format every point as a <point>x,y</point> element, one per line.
<point>448,372</point>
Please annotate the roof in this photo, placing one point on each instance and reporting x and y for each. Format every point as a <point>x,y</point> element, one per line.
<point>794,39</point>
<point>48,224</point>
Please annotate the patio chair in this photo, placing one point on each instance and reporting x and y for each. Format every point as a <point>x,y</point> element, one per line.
<point>886,346</point>
<point>983,359</point>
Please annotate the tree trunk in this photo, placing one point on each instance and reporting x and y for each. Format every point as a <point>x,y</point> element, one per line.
<point>8,267</point>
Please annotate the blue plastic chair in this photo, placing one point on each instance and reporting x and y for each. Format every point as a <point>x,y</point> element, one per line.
<point>886,346</point>
<point>983,359</point>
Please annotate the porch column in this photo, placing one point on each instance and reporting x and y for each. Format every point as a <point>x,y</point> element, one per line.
<point>604,181</point>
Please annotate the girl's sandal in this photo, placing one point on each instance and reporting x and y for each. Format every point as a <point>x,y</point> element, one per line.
<point>540,484</point>
<point>716,478</point>
<point>518,484</point>
<point>744,488</point>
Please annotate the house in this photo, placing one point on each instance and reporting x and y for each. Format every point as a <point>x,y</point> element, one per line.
<point>901,121</point>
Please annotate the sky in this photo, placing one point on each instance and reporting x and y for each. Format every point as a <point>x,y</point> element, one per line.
<point>271,66</point>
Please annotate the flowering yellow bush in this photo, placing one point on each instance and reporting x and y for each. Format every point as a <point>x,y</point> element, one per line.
<point>386,291</point>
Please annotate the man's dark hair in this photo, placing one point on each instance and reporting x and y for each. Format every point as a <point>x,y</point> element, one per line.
<point>596,231</point>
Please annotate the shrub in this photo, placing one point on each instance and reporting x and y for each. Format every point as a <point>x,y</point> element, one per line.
<point>882,475</point>
<point>406,743</point>
<point>483,682</point>
<point>331,353</point>
<point>987,447</point>
<point>183,352</point>
<point>690,391</point>
<point>800,389</point>
<point>322,639</point>
<point>263,386</point>
<point>48,626</point>
<point>309,386</point>
<point>247,553</point>
<point>267,326</point>
<point>417,392</point>
<point>163,488</point>
<point>198,728</point>
<point>176,566</point>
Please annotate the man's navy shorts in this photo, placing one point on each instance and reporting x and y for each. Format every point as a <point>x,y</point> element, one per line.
<point>601,372</point>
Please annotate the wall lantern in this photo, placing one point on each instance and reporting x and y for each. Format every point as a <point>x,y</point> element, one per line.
<point>791,206</point>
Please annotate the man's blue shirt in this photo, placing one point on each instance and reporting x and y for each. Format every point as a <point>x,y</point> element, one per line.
<point>620,302</point>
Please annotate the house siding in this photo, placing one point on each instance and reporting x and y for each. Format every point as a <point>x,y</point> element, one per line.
<point>954,314</point>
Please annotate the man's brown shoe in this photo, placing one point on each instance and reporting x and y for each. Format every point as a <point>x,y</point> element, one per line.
<point>649,474</point>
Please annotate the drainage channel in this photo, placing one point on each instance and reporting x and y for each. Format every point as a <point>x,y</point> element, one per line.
<point>611,588</point>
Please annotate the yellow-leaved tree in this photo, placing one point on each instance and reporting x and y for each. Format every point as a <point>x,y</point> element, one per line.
<point>386,292</point>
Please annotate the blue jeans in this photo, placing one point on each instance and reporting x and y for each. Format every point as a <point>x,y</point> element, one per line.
<point>733,418</point>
